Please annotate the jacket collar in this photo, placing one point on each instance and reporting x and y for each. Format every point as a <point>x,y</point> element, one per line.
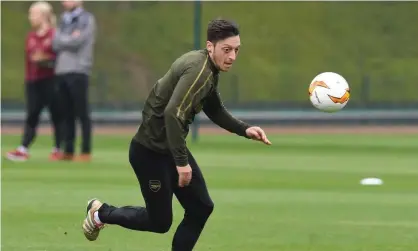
<point>212,65</point>
<point>70,15</point>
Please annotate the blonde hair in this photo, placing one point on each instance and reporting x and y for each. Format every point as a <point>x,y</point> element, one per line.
<point>47,10</point>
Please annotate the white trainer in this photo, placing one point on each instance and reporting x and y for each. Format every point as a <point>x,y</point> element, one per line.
<point>91,228</point>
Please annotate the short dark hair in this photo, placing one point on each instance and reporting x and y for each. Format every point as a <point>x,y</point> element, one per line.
<point>220,29</point>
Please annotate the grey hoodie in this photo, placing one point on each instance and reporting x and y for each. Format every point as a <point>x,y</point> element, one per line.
<point>75,53</point>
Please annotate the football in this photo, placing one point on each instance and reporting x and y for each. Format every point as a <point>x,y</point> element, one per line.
<point>329,92</point>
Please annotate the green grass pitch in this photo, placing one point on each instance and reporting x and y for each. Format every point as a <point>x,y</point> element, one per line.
<point>301,194</point>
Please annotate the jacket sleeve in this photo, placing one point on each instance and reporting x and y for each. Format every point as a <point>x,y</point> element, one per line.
<point>49,62</point>
<point>188,92</point>
<point>86,28</point>
<point>216,111</point>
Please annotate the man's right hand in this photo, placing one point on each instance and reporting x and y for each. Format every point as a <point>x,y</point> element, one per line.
<point>185,175</point>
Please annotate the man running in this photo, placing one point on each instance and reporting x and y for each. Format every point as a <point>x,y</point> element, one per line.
<point>158,154</point>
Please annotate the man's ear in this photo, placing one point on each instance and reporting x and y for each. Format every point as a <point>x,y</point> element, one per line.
<point>209,46</point>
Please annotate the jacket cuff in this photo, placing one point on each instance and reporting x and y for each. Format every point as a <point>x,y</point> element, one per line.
<point>243,129</point>
<point>181,161</point>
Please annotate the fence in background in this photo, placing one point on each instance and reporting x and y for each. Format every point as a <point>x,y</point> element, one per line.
<point>284,45</point>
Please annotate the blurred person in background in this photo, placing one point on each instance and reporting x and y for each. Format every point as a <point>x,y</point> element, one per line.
<point>40,85</point>
<point>74,43</point>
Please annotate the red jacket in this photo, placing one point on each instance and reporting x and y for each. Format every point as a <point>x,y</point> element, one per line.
<point>35,43</point>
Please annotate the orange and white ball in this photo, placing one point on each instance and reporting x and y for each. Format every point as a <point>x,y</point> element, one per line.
<point>329,92</point>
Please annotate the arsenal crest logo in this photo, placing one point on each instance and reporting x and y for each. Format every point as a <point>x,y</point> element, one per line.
<point>154,185</point>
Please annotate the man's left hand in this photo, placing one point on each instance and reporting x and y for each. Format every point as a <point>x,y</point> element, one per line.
<point>76,33</point>
<point>256,133</point>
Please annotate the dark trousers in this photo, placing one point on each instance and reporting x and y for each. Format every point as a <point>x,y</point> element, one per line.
<point>75,104</point>
<point>39,94</point>
<point>158,179</point>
